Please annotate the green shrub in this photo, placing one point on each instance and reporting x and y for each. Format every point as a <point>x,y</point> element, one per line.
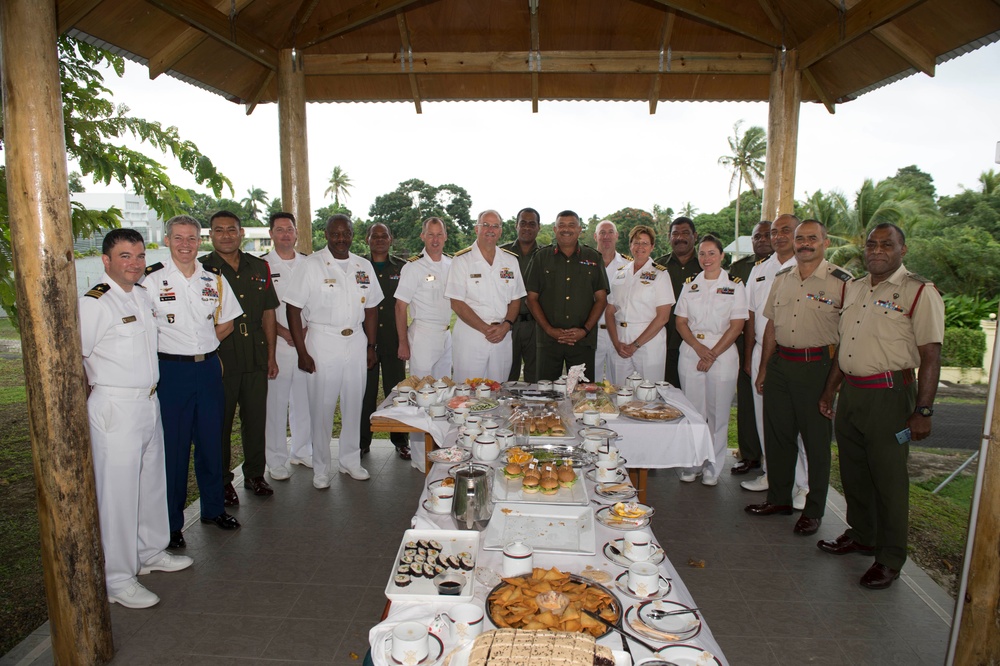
<point>964,311</point>
<point>963,347</point>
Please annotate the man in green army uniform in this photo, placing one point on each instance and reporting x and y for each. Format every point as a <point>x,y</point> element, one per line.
<point>523,332</point>
<point>681,264</point>
<point>893,323</point>
<point>387,268</point>
<point>800,341</point>
<point>746,424</point>
<point>248,355</point>
<point>567,293</point>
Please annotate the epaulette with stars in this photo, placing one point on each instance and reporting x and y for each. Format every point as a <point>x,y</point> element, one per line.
<point>414,258</point>
<point>735,279</point>
<point>98,290</point>
<point>690,279</point>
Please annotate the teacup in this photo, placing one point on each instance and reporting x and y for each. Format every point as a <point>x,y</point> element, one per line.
<point>463,389</point>
<point>559,386</point>
<point>483,391</point>
<point>409,643</point>
<point>591,417</point>
<point>405,391</point>
<point>441,498</point>
<point>663,385</point>
<point>469,434</point>
<point>437,410</point>
<point>473,420</point>
<point>505,437</point>
<point>607,471</point>
<point>592,444</point>
<point>638,545</point>
<point>459,415</point>
<point>609,454</point>
<point>624,395</point>
<point>400,401</point>
<point>643,579</point>
<point>466,621</point>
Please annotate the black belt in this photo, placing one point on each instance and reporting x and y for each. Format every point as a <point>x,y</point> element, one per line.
<point>525,317</point>
<point>197,358</point>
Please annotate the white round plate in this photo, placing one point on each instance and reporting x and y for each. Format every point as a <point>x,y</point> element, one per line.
<point>427,507</point>
<point>450,455</point>
<point>437,484</point>
<point>606,518</point>
<point>622,476</point>
<point>632,621</point>
<point>602,422</point>
<point>681,625</point>
<point>622,584</point>
<point>688,655</point>
<point>433,654</point>
<point>623,561</point>
<point>619,495</point>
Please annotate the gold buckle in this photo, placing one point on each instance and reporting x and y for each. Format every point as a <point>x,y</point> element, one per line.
<point>243,329</point>
<point>624,324</point>
<point>700,336</point>
<point>152,391</point>
<point>347,331</point>
<point>198,358</point>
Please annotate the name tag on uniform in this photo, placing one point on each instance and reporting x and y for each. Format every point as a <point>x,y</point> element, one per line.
<point>761,278</point>
<point>275,276</point>
<point>128,320</point>
<point>429,278</point>
<point>168,297</point>
<point>330,281</point>
<point>476,275</point>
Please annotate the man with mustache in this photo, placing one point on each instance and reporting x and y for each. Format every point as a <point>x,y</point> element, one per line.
<point>800,341</point>
<point>681,264</point>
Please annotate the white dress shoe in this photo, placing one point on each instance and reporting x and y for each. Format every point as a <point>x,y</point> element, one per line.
<point>689,477</point>
<point>799,498</point>
<point>279,473</point>
<point>166,562</point>
<point>134,596</point>
<point>358,473</point>
<point>305,462</point>
<point>709,480</point>
<point>321,481</point>
<point>756,485</point>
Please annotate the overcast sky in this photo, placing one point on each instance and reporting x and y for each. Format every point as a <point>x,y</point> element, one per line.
<point>593,157</point>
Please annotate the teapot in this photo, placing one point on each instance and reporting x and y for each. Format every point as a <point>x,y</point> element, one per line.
<point>425,397</point>
<point>486,447</point>
<point>646,391</point>
<point>463,389</point>
<point>472,506</point>
<point>443,391</point>
<point>633,380</point>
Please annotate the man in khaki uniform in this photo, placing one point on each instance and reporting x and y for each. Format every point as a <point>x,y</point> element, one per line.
<point>800,341</point>
<point>893,322</point>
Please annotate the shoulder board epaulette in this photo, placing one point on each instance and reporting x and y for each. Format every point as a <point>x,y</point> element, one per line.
<point>659,267</point>
<point>140,286</point>
<point>690,279</point>
<point>735,279</point>
<point>469,249</point>
<point>783,270</point>
<point>212,269</point>
<point>415,257</point>
<point>445,254</point>
<point>302,254</point>
<point>760,261</point>
<point>152,269</point>
<point>627,257</point>
<point>841,274</point>
<point>513,254</point>
<point>919,278</point>
<point>98,290</point>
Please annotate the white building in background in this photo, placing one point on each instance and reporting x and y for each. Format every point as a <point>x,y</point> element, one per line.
<point>256,240</point>
<point>135,214</point>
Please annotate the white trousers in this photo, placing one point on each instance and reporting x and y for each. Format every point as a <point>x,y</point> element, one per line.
<point>126,437</point>
<point>801,464</point>
<point>341,373</point>
<point>430,350</point>
<point>712,394</point>
<point>475,356</point>
<point>649,360</point>
<point>605,360</point>
<point>287,403</point>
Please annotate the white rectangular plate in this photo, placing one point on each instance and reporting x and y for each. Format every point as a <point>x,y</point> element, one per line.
<point>509,490</point>
<point>548,528</point>
<point>453,542</point>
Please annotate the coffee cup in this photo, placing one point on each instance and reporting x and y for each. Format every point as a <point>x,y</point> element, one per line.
<point>623,396</point>
<point>409,643</point>
<point>607,471</point>
<point>441,498</point>
<point>460,414</point>
<point>400,401</point>
<point>559,386</point>
<point>643,579</point>
<point>608,453</point>
<point>592,444</point>
<point>591,417</point>
<point>466,621</point>
<point>437,410</point>
<point>638,545</point>
<point>405,391</point>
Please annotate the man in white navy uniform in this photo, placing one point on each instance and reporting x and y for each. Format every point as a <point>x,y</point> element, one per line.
<point>606,236</point>
<point>118,332</point>
<point>195,310</point>
<point>334,294</point>
<point>287,399</point>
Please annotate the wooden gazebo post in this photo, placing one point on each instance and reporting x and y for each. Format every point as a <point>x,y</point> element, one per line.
<point>42,240</point>
<point>782,136</point>
<point>293,144</point>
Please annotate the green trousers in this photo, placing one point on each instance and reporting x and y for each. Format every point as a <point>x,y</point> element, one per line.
<point>523,340</point>
<point>873,467</point>
<point>554,360</point>
<point>248,390</point>
<point>746,421</point>
<point>791,407</point>
<point>393,371</point>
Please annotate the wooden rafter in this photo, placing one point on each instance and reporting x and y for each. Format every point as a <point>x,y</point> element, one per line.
<point>561,62</point>
<point>789,33</point>
<point>821,92</point>
<point>407,54</point>
<point>856,22</point>
<point>73,11</point>
<point>348,20</point>
<point>665,31</point>
<point>719,15</point>
<point>535,55</point>
<point>897,39</point>
<point>216,24</point>
<point>186,41</point>
<point>302,15</point>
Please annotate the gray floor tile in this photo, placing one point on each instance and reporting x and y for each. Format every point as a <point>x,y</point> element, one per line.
<point>849,620</point>
<point>234,636</point>
<point>785,619</point>
<point>306,640</point>
<point>756,586</point>
<point>709,584</point>
<point>797,651</point>
<point>750,558</point>
<point>879,652</point>
<point>730,617</point>
<point>746,650</point>
<point>326,602</point>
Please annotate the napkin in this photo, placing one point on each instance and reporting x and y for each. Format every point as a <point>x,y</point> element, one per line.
<point>393,410</point>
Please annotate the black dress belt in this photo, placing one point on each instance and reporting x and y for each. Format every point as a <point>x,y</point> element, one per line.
<point>525,317</point>
<point>197,358</point>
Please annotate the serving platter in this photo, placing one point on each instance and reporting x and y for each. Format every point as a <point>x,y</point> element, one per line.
<point>547,528</point>
<point>509,490</point>
<point>554,452</point>
<point>452,542</point>
<point>615,604</point>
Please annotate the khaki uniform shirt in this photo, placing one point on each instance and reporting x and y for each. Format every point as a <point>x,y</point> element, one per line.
<point>386,336</point>
<point>883,326</point>
<point>522,261</point>
<point>566,287</point>
<point>806,312</point>
<point>679,273</point>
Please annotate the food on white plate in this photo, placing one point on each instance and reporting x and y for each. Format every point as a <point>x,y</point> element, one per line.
<point>504,647</point>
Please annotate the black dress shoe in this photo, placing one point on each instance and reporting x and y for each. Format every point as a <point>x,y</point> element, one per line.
<point>843,545</point>
<point>259,486</point>
<point>365,450</point>
<point>229,496</point>
<point>404,452</point>
<point>768,509</point>
<point>879,577</point>
<point>223,521</point>
<point>744,466</point>
<point>806,525</point>
<point>176,541</point>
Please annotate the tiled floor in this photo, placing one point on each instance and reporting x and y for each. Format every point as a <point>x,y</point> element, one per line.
<point>303,581</point>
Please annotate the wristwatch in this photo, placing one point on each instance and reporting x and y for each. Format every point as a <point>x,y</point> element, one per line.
<point>509,322</point>
<point>926,412</point>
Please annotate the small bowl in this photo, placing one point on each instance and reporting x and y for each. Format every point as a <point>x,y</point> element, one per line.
<point>449,583</point>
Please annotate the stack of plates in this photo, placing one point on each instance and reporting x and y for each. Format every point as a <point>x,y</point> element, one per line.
<point>673,628</point>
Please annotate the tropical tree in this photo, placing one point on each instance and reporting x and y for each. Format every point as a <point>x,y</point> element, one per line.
<point>340,185</point>
<point>746,160</point>
<point>405,208</point>
<point>990,180</point>
<point>688,210</point>
<point>255,200</point>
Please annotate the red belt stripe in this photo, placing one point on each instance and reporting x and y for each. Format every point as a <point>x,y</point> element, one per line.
<point>882,379</point>
<point>806,355</point>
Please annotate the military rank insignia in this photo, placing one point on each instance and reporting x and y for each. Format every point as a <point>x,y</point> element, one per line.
<point>819,297</point>
<point>170,318</point>
<point>728,291</point>
<point>889,305</point>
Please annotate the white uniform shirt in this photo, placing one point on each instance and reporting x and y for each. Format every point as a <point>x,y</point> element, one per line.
<point>612,268</point>
<point>118,331</point>
<point>759,287</point>
<point>637,294</point>
<point>332,295</point>
<point>188,309</point>
<point>282,271</point>
<point>488,290</point>
<point>710,306</point>
<point>421,284</point>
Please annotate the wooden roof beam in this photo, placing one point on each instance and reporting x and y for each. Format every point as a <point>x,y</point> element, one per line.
<point>856,22</point>
<point>302,14</point>
<point>186,41</point>
<point>897,39</point>
<point>821,92</point>
<point>535,55</point>
<point>718,14</point>
<point>216,24</point>
<point>345,21</point>
<point>72,12</point>
<point>665,31</point>
<point>558,62</point>
<point>407,54</point>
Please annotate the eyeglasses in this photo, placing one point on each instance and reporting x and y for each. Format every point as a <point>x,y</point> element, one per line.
<point>641,244</point>
<point>489,226</point>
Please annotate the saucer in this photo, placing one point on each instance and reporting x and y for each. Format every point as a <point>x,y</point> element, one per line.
<point>688,655</point>
<point>435,651</point>
<point>608,519</point>
<point>685,632</point>
<point>671,624</point>
<point>619,477</point>
<point>622,584</point>
<point>620,495</point>
<point>427,507</point>
<point>623,561</point>
<point>602,422</point>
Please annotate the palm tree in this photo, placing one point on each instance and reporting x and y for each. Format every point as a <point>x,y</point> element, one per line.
<point>340,185</point>
<point>990,181</point>
<point>747,162</point>
<point>689,211</point>
<point>255,197</point>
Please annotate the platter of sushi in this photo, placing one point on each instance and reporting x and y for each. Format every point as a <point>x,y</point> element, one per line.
<point>425,554</point>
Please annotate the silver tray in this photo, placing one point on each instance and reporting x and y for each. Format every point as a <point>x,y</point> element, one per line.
<point>615,603</point>
<point>580,457</point>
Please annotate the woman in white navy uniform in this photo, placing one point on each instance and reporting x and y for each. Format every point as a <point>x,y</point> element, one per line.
<point>711,311</point>
<point>638,309</point>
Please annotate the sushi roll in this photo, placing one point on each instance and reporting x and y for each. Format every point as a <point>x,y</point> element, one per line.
<point>423,543</point>
<point>411,545</point>
<point>402,580</point>
<point>454,562</point>
<point>421,550</point>
<point>432,560</point>
<point>436,545</point>
<point>429,571</point>
<point>417,569</point>
<point>433,551</point>
<point>403,569</point>
<point>468,564</point>
<point>438,569</point>
<point>406,559</point>
<point>420,558</point>
<point>464,554</point>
